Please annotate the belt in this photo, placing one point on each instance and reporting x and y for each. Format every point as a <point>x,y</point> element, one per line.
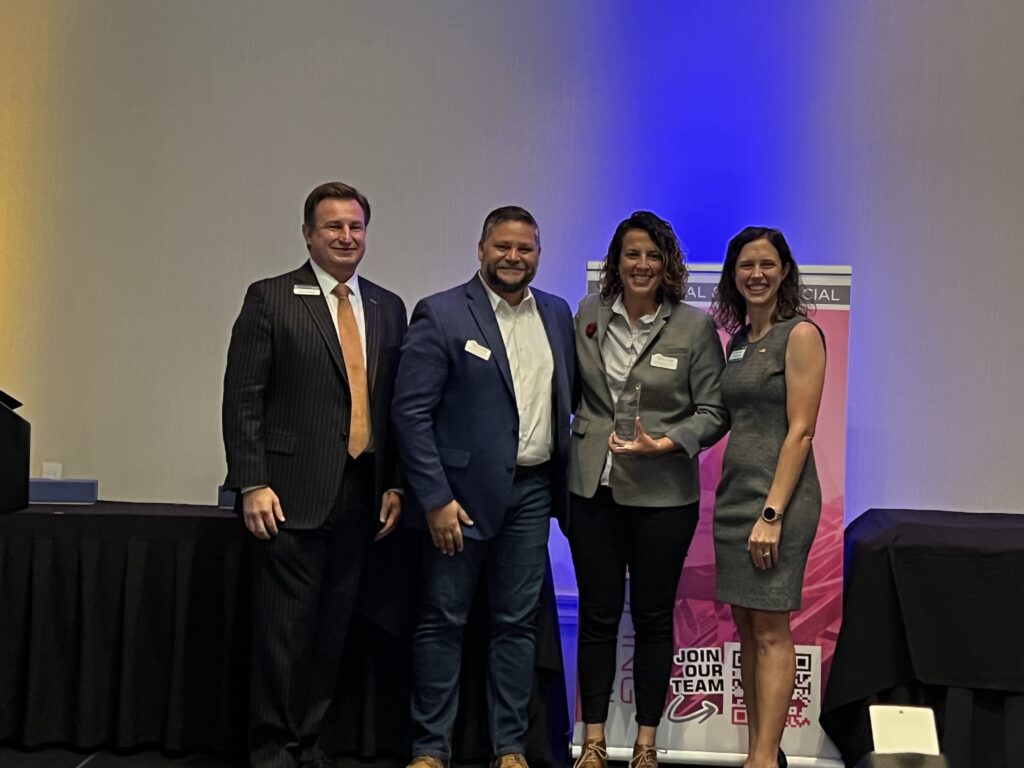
<point>534,470</point>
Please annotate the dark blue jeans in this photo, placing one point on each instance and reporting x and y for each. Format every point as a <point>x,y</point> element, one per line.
<point>515,561</point>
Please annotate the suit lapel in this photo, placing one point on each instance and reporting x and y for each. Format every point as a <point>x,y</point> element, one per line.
<point>317,307</point>
<point>371,320</point>
<point>604,316</point>
<point>550,322</point>
<point>483,313</point>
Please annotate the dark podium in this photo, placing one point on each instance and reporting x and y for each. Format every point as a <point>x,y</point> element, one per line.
<point>14,446</point>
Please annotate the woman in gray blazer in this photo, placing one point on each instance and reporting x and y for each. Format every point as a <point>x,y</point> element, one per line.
<point>635,500</point>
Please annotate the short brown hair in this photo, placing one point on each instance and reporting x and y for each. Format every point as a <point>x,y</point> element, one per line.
<point>336,189</point>
<point>508,213</point>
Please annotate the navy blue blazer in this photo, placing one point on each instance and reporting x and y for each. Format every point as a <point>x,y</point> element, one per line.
<point>455,415</point>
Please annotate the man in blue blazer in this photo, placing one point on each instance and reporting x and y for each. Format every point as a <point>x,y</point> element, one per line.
<point>481,413</point>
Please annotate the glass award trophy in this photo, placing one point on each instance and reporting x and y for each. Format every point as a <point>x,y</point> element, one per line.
<point>626,411</point>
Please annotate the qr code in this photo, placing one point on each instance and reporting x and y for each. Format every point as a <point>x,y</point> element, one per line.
<point>802,707</point>
<point>804,693</point>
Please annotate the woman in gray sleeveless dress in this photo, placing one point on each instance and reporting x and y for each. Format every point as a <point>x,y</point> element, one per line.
<point>769,500</point>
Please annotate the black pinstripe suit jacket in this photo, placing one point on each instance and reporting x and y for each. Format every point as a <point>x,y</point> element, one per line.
<point>286,398</point>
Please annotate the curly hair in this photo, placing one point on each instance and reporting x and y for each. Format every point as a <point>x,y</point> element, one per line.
<point>729,308</point>
<point>673,278</point>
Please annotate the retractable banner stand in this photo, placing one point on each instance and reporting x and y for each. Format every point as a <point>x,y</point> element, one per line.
<point>705,715</point>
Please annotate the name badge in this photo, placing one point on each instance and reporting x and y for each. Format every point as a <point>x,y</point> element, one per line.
<point>737,354</point>
<point>305,290</point>
<point>664,361</point>
<point>477,349</point>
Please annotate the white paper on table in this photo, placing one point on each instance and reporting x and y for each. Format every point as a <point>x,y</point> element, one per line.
<point>903,729</point>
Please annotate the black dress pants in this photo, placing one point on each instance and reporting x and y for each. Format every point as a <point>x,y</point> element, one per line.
<point>304,588</point>
<point>606,538</point>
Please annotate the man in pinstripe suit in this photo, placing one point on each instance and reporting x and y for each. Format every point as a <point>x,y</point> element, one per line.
<point>307,392</point>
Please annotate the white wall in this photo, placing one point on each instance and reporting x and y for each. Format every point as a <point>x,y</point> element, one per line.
<point>173,144</point>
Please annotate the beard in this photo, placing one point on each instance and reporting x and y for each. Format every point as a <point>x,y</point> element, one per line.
<point>506,281</point>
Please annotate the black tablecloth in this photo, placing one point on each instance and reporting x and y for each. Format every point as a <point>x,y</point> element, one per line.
<point>933,614</point>
<point>125,625</point>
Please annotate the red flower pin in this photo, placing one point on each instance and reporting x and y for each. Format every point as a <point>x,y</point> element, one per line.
<point>591,330</point>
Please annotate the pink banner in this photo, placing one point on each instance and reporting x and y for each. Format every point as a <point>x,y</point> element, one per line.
<point>705,714</point>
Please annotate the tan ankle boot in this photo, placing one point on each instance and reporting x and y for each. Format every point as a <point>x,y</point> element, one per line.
<point>594,754</point>
<point>644,756</point>
<point>511,760</point>
<point>426,761</point>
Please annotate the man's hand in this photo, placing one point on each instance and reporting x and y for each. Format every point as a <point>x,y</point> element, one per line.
<point>261,510</point>
<point>390,513</point>
<point>445,531</point>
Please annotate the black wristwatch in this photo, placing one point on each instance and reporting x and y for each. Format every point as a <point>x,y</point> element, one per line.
<point>770,514</point>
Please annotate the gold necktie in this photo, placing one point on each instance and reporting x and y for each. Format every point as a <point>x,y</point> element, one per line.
<point>355,367</point>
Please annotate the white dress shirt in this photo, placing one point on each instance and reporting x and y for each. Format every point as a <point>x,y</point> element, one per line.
<point>620,347</point>
<point>533,368</point>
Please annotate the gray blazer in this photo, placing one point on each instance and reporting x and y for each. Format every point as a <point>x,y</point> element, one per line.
<point>684,405</point>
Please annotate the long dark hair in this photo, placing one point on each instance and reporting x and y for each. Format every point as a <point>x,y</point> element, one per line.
<point>729,308</point>
<point>673,277</point>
